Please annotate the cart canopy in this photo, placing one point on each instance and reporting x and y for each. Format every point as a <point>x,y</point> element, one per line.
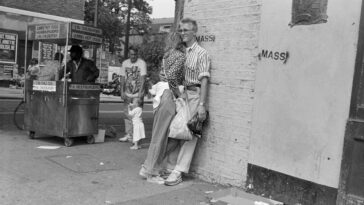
<point>58,33</point>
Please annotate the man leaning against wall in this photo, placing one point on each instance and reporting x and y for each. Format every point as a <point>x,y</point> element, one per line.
<point>197,74</point>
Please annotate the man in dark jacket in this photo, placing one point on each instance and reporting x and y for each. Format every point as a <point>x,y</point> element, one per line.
<point>80,69</point>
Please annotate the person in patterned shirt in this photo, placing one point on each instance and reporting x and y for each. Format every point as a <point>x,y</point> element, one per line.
<point>132,72</point>
<point>171,75</point>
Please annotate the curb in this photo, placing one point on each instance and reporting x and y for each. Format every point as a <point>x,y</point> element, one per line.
<point>101,101</point>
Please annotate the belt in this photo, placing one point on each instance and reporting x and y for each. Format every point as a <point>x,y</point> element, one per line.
<point>193,87</point>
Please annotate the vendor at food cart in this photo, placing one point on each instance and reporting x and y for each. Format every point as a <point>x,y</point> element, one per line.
<point>80,69</point>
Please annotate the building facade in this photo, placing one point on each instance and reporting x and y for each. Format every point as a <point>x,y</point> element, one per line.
<point>281,102</point>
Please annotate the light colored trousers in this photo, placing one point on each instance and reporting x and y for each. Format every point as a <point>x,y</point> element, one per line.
<point>179,153</point>
<point>163,116</point>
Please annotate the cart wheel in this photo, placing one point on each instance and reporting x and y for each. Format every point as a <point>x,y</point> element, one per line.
<point>31,135</point>
<point>90,139</point>
<point>68,142</point>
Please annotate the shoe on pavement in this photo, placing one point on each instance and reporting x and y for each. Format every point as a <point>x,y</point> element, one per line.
<point>126,138</point>
<point>135,147</point>
<point>143,173</point>
<point>155,180</point>
<point>174,178</point>
<point>165,173</point>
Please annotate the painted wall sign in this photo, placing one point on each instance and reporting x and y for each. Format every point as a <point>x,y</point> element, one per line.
<point>84,87</point>
<point>49,86</point>
<point>8,47</point>
<point>274,55</point>
<point>206,38</point>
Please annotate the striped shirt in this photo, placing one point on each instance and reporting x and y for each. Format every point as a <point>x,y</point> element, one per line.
<point>197,65</point>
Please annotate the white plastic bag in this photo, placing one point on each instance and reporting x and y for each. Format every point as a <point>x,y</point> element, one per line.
<point>178,128</point>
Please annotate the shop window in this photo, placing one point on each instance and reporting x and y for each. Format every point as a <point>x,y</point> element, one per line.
<point>307,12</point>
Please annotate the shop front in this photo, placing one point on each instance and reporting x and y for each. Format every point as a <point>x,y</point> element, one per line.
<point>14,18</point>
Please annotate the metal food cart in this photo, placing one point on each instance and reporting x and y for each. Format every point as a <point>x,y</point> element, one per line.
<point>61,108</point>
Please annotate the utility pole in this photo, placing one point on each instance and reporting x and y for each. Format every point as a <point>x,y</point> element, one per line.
<point>178,13</point>
<point>95,24</point>
<point>126,45</point>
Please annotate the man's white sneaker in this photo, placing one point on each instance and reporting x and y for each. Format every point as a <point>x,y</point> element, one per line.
<point>143,172</point>
<point>174,178</point>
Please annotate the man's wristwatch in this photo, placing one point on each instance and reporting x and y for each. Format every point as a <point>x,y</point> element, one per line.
<point>201,103</point>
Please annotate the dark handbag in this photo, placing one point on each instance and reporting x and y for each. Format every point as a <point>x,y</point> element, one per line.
<point>195,125</point>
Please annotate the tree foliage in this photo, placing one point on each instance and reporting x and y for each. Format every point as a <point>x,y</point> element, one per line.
<point>112,15</point>
<point>152,53</point>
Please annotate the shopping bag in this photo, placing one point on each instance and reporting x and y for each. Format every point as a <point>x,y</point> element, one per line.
<point>178,128</point>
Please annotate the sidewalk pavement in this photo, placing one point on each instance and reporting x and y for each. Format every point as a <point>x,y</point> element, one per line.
<point>43,171</point>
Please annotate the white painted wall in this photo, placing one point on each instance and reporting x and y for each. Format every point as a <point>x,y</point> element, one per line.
<point>301,107</point>
<point>222,153</point>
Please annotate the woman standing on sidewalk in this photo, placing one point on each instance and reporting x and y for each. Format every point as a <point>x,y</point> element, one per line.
<point>171,73</point>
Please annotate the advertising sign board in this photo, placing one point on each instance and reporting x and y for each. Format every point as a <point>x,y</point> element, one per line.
<point>8,47</point>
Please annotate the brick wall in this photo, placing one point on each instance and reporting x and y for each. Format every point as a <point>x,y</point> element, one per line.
<point>222,155</point>
<point>64,8</point>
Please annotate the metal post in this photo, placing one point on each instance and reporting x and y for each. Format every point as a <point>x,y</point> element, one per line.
<point>126,45</point>
<point>65,66</point>
<point>25,63</point>
<point>94,53</point>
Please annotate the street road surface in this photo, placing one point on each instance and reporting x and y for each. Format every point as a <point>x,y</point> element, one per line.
<point>110,114</point>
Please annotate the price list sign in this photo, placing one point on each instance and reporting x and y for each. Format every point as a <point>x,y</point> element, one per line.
<point>46,51</point>
<point>8,47</point>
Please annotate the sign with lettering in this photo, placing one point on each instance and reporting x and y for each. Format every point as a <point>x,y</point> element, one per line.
<point>85,37</point>
<point>47,31</point>
<point>46,51</point>
<point>84,87</point>
<point>274,55</point>
<point>104,71</point>
<point>206,38</point>
<point>55,31</point>
<point>86,29</point>
<point>86,33</point>
<point>48,86</point>
<point>6,71</point>
<point>8,47</point>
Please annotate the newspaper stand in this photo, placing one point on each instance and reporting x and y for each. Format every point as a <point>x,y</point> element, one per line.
<point>61,108</point>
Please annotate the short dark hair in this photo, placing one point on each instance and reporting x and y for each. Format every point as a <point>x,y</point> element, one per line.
<point>191,21</point>
<point>134,48</point>
<point>76,49</point>
<point>58,56</point>
<point>35,60</point>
